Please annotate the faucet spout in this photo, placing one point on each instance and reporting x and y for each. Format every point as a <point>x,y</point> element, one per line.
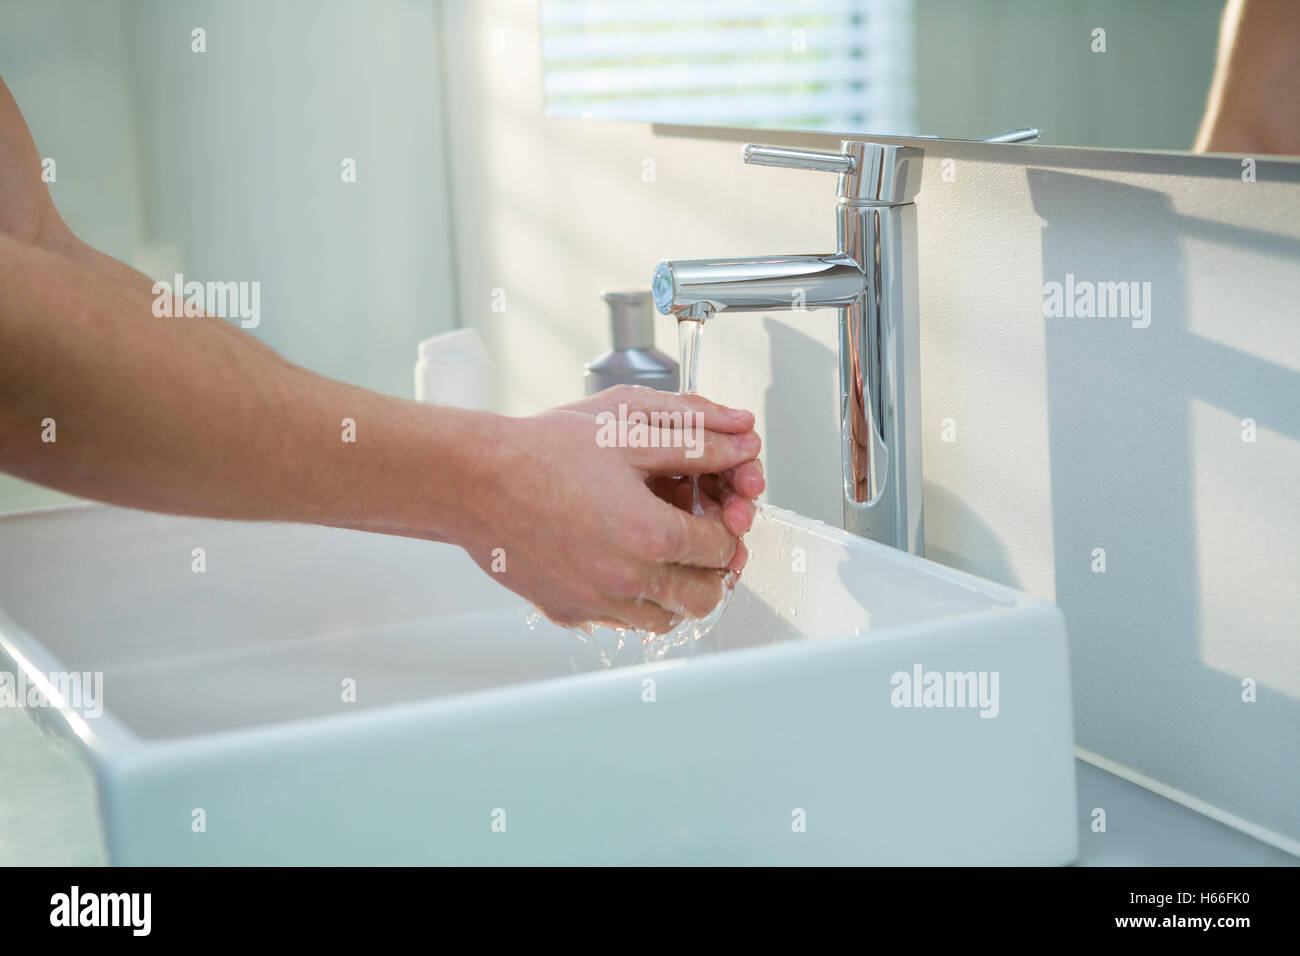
<point>757,284</point>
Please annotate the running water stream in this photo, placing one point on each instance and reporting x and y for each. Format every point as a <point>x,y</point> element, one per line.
<point>690,338</point>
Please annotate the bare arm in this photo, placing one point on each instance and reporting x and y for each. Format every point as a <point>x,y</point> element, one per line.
<point>27,213</point>
<point>194,416</point>
<point>191,416</point>
<point>1254,101</point>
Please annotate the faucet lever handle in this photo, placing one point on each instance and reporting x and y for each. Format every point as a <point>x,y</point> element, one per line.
<point>872,174</point>
<point>798,158</point>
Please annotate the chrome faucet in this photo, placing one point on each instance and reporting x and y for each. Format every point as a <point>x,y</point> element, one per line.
<point>871,279</point>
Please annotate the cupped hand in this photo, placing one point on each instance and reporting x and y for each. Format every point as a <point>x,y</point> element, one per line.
<point>593,532</point>
<point>729,495</point>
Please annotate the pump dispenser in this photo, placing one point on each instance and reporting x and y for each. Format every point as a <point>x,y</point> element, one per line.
<point>633,360</point>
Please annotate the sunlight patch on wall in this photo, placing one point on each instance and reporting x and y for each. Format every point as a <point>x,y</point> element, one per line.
<point>1243,480</point>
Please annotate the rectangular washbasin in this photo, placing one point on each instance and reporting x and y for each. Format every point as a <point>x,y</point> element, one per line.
<point>296,694</point>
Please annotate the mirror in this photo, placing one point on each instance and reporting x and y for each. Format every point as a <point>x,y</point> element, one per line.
<point>1130,74</point>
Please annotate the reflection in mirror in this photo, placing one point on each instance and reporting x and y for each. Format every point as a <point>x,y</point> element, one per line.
<point>1134,74</point>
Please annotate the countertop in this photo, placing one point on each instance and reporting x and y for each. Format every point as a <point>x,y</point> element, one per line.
<point>1146,829</point>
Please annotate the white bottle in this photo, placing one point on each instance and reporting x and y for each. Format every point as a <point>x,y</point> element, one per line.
<point>454,369</point>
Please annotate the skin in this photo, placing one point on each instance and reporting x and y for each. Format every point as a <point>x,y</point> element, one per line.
<point>194,416</point>
<point>1253,105</point>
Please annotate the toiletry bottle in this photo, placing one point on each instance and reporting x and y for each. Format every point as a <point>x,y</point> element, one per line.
<point>634,360</point>
<point>454,369</point>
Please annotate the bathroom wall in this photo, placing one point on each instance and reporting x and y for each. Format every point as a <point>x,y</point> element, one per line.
<point>1070,436</point>
<point>227,164</point>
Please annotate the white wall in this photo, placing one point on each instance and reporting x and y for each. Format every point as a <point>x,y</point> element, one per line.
<point>225,165</point>
<point>241,149</point>
<point>1071,434</point>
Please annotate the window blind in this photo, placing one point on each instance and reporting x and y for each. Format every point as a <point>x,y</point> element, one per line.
<point>807,64</point>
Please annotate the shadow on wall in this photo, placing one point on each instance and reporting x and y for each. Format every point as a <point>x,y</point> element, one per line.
<point>945,510</point>
<point>792,441</point>
<point>1121,389</point>
<point>795,434</point>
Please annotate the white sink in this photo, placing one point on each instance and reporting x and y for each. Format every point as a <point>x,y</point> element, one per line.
<point>223,692</point>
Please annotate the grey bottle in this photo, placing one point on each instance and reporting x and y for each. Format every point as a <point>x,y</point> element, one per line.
<point>634,360</point>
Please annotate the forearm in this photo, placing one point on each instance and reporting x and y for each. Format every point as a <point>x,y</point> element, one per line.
<point>61,240</point>
<point>193,416</point>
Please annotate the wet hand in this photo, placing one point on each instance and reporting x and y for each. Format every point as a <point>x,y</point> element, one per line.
<point>578,525</point>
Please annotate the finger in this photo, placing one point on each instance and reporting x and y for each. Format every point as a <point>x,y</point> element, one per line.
<point>695,540</point>
<point>717,498</point>
<point>675,490</point>
<point>684,498</point>
<point>696,452</point>
<point>645,616</point>
<point>688,592</point>
<point>747,478</point>
<point>739,559</point>
<point>737,513</point>
<point>711,415</point>
<point>581,620</point>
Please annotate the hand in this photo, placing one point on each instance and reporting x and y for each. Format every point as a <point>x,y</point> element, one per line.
<point>730,495</point>
<point>584,537</point>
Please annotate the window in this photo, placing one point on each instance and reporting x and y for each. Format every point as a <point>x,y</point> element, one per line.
<point>842,65</point>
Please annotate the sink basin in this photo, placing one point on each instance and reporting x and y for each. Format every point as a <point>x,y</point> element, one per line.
<point>326,696</point>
